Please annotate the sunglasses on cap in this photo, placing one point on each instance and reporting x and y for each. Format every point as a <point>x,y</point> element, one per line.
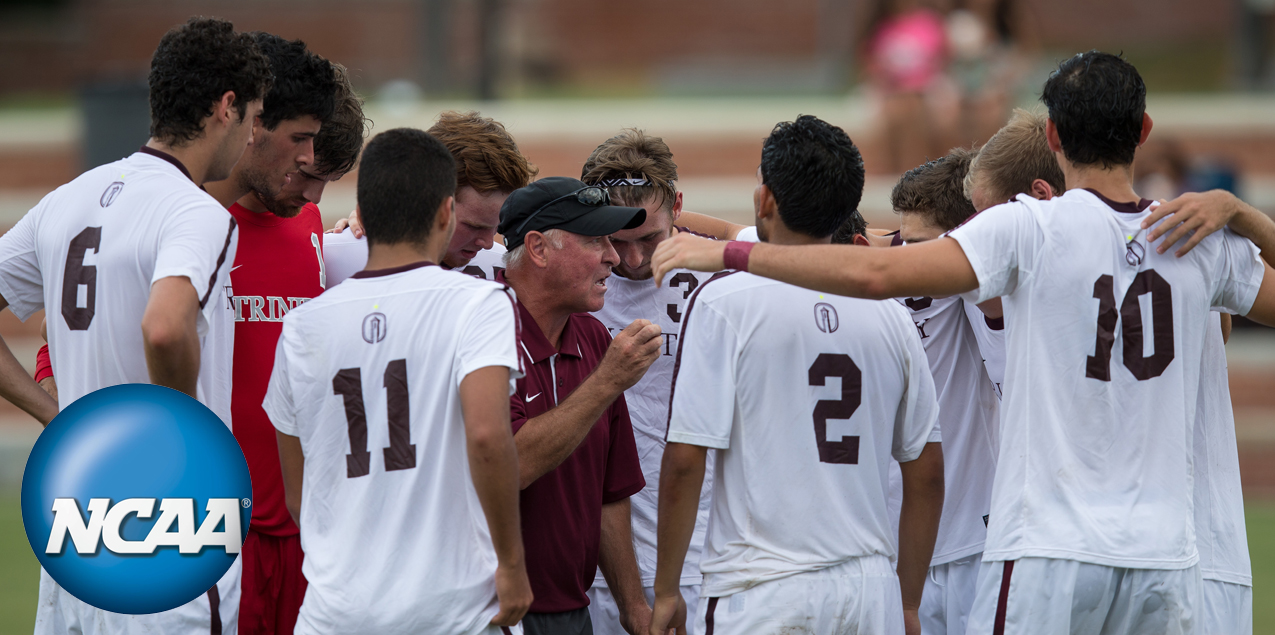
<point>591,195</point>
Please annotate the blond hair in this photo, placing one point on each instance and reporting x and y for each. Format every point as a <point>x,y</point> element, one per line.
<point>633,155</point>
<point>1013,158</point>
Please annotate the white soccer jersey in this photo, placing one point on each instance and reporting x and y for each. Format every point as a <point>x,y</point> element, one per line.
<point>648,400</point>
<point>367,376</point>
<point>90,251</point>
<point>809,395</point>
<point>343,255</point>
<point>1104,351</point>
<point>968,419</point>
<point>990,335</point>
<point>1219,497</point>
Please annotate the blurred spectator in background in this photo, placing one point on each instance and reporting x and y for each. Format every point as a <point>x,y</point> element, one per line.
<point>1160,169</point>
<point>991,43</point>
<point>907,54</point>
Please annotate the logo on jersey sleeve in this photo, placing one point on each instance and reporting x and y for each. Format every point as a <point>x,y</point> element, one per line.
<point>136,499</point>
<point>826,317</point>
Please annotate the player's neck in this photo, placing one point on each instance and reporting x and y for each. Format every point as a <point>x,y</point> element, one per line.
<point>196,156</point>
<point>1116,183</point>
<point>781,235</point>
<point>227,192</point>
<point>381,256</point>
<point>251,203</point>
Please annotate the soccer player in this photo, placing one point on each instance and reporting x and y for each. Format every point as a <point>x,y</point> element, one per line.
<point>1009,164</point>
<point>1092,503</point>
<point>488,168</point>
<point>800,536</point>
<point>133,253</point>
<point>577,458</point>
<point>637,170</point>
<point>390,395</point>
<point>279,265</point>
<point>930,201</point>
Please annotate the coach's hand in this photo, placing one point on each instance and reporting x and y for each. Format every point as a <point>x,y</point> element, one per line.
<point>685,251</point>
<point>668,614</point>
<point>513,589</point>
<point>631,352</point>
<point>1193,216</point>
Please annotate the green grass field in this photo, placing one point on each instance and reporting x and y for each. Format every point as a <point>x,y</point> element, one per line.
<point>20,573</point>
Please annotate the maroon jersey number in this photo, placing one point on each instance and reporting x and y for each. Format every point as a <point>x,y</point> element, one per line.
<point>401,455</point>
<point>1143,367</point>
<point>77,273</point>
<point>836,365</point>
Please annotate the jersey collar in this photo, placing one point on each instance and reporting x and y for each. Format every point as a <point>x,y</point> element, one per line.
<point>160,154</point>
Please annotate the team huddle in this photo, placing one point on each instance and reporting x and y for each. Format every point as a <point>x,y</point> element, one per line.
<point>1010,416</point>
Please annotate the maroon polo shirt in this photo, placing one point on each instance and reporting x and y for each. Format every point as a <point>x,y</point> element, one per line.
<point>562,510</point>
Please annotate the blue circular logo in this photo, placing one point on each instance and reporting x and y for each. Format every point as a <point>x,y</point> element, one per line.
<point>136,499</point>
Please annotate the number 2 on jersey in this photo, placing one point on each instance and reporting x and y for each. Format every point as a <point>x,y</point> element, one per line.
<point>836,365</point>
<point>401,455</point>
<point>1098,365</point>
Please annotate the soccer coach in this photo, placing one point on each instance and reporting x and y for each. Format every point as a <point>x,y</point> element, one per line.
<point>578,463</point>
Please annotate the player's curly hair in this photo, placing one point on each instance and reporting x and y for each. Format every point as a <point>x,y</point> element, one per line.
<point>340,140</point>
<point>487,159</point>
<point>815,172</point>
<point>854,226</point>
<point>633,154</point>
<point>303,82</point>
<point>193,66</point>
<point>1096,101</point>
<point>936,190</point>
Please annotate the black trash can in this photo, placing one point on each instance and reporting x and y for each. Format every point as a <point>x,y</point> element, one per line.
<point>117,120</point>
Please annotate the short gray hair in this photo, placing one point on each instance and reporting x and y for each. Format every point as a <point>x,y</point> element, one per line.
<point>515,257</point>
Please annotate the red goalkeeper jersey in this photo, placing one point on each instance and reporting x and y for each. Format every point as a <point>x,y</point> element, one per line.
<point>279,265</point>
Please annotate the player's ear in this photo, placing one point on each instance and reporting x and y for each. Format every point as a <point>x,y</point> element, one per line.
<point>861,241</point>
<point>1042,190</point>
<point>677,206</point>
<point>1051,137</point>
<point>446,214</point>
<point>766,205</point>
<point>224,109</point>
<point>1146,129</point>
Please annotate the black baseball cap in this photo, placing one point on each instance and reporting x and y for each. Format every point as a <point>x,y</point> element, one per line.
<point>560,202</point>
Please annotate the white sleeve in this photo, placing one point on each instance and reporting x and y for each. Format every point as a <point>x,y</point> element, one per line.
<point>279,404</point>
<point>1239,275</point>
<point>20,280</point>
<point>197,242</point>
<point>489,336</point>
<point>703,400</point>
<point>916,421</point>
<point>1000,244</point>
<point>748,235</point>
<point>343,256</point>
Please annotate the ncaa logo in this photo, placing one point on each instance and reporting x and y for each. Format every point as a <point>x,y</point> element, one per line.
<point>136,499</point>
<point>111,193</point>
<point>826,317</point>
<point>374,327</point>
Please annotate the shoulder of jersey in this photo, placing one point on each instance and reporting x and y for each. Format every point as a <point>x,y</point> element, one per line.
<point>345,238</point>
<point>727,283</point>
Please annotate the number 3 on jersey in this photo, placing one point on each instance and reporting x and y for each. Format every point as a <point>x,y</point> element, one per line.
<point>836,365</point>
<point>1143,367</point>
<point>401,455</point>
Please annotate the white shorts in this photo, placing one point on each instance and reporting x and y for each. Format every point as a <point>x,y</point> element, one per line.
<point>860,595</point>
<point>949,596</point>
<point>606,615</point>
<point>60,613</point>
<point>1047,596</point>
<point>1228,609</point>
